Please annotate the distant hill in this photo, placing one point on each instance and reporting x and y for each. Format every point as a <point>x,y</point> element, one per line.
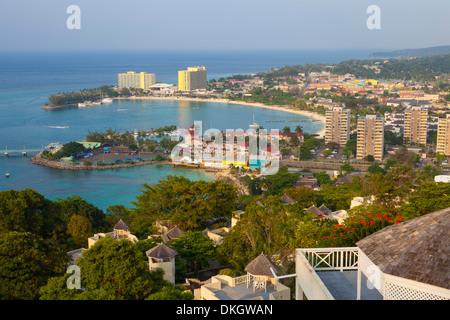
<point>423,52</point>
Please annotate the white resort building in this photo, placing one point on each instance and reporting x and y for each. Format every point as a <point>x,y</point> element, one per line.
<point>258,284</point>
<point>121,231</point>
<point>406,261</point>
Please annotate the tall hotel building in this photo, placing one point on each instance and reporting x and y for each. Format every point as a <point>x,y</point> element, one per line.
<point>132,79</point>
<point>415,128</point>
<point>194,78</point>
<point>337,126</point>
<point>443,136</point>
<point>370,137</point>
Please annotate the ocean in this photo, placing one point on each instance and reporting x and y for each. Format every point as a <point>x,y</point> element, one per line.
<point>27,79</point>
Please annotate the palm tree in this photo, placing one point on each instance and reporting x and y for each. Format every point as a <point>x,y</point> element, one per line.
<point>286,130</point>
<point>299,129</point>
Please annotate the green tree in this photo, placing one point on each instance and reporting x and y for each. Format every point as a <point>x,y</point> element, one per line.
<point>389,164</point>
<point>281,180</point>
<point>116,212</point>
<point>269,228</point>
<point>28,211</point>
<point>335,197</point>
<point>112,269</point>
<point>305,197</point>
<point>286,130</point>
<point>375,168</point>
<point>175,292</point>
<point>80,228</point>
<point>350,147</point>
<point>347,168</point>
<point>77,205</point>
<point>295,141</point>
<point>426,197</point>
<point>322,178</point>
<point>186,203</point>
<point>194,247</point>
<point>431,171</point>
<point>26,263</point>
<point>56,289</point>
<point>71,149</point>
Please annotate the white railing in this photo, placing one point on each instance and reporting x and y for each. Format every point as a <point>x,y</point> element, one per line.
<point>241,279</point>
<point>332,258</point>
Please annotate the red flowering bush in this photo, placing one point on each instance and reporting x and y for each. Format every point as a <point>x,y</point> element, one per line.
<point>354,230</point>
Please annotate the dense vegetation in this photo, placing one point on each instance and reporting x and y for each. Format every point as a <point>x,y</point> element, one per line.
<point>68,98</point>
<point>438,50</point>
<point>425,68</point>
<point>36,233</point>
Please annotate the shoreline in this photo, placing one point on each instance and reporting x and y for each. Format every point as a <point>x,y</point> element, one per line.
<point>309,114</point>
<point>306,113</point>
<point>223,174</point>
<point>37,160</point>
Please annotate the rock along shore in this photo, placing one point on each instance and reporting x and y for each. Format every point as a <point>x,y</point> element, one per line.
<point>37,159</point>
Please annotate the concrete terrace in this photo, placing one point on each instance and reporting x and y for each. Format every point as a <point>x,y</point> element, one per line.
<point>343,285</point>
<point>241,292</point>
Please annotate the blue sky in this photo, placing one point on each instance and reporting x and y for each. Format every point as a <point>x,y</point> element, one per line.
<point>222,25</point>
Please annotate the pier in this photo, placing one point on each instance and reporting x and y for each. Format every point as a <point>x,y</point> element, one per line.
<point>24,151</point>
<point>283,120</point>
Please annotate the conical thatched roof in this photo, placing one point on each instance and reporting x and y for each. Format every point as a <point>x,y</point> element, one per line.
<point>175,232</point>
<point>325,210</point>
<point>260,266</point>
<point>417,249</point>
<point>121,225</point>
<point>161,251</point>
<point>313,209</point>
<point>287,200</point>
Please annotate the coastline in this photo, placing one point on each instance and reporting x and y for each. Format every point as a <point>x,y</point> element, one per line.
<point>309,114</point>
<point>38,160</point>
<point>217,172</point>
<point>223,174</point>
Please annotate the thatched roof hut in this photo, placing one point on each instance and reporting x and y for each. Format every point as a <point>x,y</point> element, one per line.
<point>173,233</point>
<point>121,225</point>
<point>260,266</point>
<point>287,200</point>
<point>161,251</point>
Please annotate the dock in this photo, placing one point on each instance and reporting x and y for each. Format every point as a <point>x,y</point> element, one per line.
<point>24,151</point>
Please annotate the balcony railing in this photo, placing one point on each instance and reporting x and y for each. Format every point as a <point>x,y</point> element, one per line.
<point>332,258</point>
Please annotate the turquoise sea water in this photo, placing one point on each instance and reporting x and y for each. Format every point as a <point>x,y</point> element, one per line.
<point>26,81</point>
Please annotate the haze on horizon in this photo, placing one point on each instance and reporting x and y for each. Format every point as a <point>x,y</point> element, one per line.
<point>30,25</point>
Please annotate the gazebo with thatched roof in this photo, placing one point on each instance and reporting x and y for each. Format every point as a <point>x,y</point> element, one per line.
<point>260,270</point>
<point>163,256</point>
<point>121,229</point>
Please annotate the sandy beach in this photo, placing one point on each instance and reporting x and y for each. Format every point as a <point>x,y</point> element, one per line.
<point>305,113</point>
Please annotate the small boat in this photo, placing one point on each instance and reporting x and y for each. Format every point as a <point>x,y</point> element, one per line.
<point>254,124</point>
<point>107,100</point>
<point>82,105</point>
<point>7,174</point>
